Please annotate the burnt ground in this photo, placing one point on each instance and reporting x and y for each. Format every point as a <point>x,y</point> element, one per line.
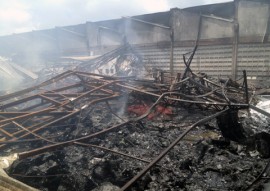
<point>204,160</point>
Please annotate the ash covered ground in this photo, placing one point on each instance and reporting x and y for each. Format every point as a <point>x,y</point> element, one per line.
<point>203,160</point>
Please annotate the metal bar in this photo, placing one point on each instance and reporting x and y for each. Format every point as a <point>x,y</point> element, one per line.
<point>15,140</point>
<point>172,52</point>
<point>224,94</point>
<point>61,95</point>
<point>51,147</point>
<point>260,110</point>
<point>182,100</point>
<point>72,95</point>
<point>102,90</point>
<point>89,92</point>
<point>12,141</point>
<point>33,126</point>
<point>68,116</point>
<point>72,32</point>
<point>7,105</point>
<point>32,133</point>
<point>246,86</point>
<point>189,60</point>
<point>12,114</point>
<point>205,79</point>
<point>218,18</point>
<point>65,88</point>
<point>149,23</point>
<point>4,131</point>
<point>205,88</point>
<point>55,146</point>
<point>53,101</point>
<point>35,106</point>
<point>137,90</point>
<point>26,115</point>
<point>20,131</point>
<point>103,77</point>
<point>52,122</point>
<point>112,30</point>
<point>235,41</point>
<point>27,90</point>
<point>111,110</point>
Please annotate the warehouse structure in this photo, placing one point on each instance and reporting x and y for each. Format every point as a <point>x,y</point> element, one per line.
<point>231,36</point>
<point>77,129</point>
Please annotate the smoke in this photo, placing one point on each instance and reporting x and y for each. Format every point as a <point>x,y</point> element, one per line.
<point>25,15</point>
<point>9,78</point>
<point>29,50</point>
<point>139,32</point>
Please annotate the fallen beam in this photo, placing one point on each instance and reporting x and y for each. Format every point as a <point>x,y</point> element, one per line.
<point>259,110</point>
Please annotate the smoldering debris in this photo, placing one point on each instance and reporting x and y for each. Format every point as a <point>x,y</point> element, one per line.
<point>122,61</point>
<point>88,131</point>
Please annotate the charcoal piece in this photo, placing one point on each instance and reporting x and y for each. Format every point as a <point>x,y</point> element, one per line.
<point>201,149</point>
<point>103,171</point>
<point>220,143</point>
<point>186,164</point>
<point>230,127</point>
<point>262,144</point>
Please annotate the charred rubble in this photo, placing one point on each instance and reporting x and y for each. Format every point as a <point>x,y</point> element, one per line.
<point>86,131</point>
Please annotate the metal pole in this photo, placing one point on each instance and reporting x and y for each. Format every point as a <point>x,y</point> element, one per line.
<point>246,86</point>
<point>235,41</point>
<point>172,52</point>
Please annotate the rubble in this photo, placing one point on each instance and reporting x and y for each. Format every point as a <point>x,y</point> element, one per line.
<point>82,130</point>
<point>7,183</point>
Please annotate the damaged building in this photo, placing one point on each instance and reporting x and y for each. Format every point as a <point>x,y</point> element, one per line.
<point>176,100</point>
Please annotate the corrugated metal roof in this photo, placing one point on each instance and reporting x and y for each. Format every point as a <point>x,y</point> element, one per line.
<point>9,69</point>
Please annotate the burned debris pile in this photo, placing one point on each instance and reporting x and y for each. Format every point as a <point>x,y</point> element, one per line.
<point>86,131</point>
<point>123,61</point>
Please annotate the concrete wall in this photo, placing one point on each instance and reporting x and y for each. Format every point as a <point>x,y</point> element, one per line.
<point>138,32</point>
<point>252,18</point>
<point>255,59</point>
<point>71,43</point>
<point>213,60</point>
<point>105,33</point>
<point>185,25</point>
<point>155,56</point>
<point>214,28</point>
<point>215,52</point>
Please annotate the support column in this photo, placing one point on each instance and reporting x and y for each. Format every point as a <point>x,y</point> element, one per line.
<point>87,39</point>
<point>172,52</point>
<point>266,33</point>
<point>58,42</point>
<point>235,41</point>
